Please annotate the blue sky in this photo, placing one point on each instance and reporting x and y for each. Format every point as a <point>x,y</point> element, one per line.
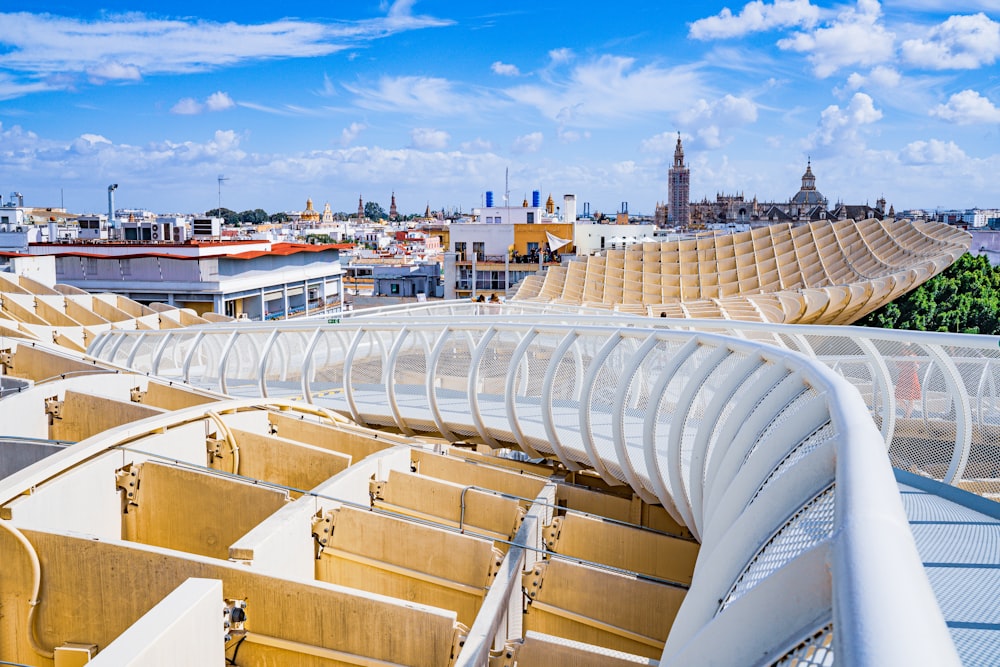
<point>435,100</point>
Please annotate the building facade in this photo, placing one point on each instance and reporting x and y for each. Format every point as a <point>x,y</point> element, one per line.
<point>806,205</point>
<point>256,280</point>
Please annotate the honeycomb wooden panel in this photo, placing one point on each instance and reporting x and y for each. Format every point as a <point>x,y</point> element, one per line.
<point>823,273</point>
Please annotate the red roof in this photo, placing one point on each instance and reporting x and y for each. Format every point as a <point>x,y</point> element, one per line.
<point>291,249</point>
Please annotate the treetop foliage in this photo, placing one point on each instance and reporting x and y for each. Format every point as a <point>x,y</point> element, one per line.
<point>964,298</point>
<point>374,211</point>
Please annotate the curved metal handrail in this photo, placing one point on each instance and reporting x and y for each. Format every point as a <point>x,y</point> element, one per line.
<point>916,443</point>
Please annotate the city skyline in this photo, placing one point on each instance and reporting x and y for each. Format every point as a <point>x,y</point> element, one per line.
<point>435,100</point>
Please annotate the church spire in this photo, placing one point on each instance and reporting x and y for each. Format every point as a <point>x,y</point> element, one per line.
<point>679,153</point>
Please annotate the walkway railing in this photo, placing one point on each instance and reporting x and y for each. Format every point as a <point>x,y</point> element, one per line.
<point>766,454</point>
<point>945,425</point>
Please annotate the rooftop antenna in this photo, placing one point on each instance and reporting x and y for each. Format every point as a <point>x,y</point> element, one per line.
<point>221,178</point>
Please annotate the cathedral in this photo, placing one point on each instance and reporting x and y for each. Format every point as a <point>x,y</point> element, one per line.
<point>806,205</point>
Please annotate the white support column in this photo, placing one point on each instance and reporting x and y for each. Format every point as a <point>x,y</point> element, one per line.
<point>618,423</point>
<point>546,401</point>
<point>473,388</point>
<point>390,380</point>
<point>518,360</point>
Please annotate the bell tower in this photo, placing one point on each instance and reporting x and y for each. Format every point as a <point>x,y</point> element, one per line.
<point>679,189</point>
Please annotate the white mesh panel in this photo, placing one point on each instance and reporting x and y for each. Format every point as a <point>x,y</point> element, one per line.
<point>816,650</point>
<point>787,413</point>
<point>666,412</point>
<point>810,526</point>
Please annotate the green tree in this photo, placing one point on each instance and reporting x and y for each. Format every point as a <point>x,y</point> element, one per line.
<point>964,298</point>
<point>230,217</point>
<point>255,216</point>
<point>373,211</point>
<point>278,217</point>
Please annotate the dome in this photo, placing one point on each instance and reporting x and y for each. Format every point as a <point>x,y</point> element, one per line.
<point>808,194</point>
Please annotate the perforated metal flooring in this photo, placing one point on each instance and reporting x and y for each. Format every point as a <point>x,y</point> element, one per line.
<point>958,537</point>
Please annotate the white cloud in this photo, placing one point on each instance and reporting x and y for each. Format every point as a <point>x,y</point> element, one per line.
<point>415,94</point>
<point>528,143</point>
<point>659,144</point>
<point>934,152</point>
<point>756,16</point>
<point>707,119</point>
<point>961,42</point>
<point>839,128</point>
<point>563,55</point>
<point>879,77</point>
<point>127,46</point>
<point>89,143</point>
<point>219,101</point>
<point>967,108</point>
<point>187,106</point>
<point>328,89</point>
<point>610,88</point>
<point>571,136</point>
<point>855,37</point>
<point>425,138</point>
<point>351,132</point>
<point>503,69</point>
<point>114,71</point>
<point>477,145</point>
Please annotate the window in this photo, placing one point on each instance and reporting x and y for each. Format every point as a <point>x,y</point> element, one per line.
<point>394,288</point>
<point>498,219</point>
<point>460,249</point>
<point>532,248</point>
<point>531,217</point>
<point>479,248</point>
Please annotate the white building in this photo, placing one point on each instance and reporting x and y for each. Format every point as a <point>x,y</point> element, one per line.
<point>591,237</point>
<point>978,217</point>
<point>256,279</point>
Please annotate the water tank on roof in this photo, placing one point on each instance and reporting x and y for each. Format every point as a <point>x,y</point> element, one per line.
<point>536,199</point>
<point>489,198</point>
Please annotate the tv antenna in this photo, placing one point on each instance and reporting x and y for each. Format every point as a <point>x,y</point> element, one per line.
<point>221,178</point>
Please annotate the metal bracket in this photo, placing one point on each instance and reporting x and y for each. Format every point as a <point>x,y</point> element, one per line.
<point>7,359</point>
<point>531,580</point>
<point>136,395</point>
<point>214,448</point>
<point>376,489</point>
<point>323,524</point>
<point>551,532</point>
<point>127,480</point>
<point>508,656</point>
<point>521,513</point>
<point>234,616</point>
<point>53,408</point>
<point>461,635</point>
<point>494,566</point>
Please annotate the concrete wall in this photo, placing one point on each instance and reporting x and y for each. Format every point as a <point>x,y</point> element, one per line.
<point>183,629</point>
